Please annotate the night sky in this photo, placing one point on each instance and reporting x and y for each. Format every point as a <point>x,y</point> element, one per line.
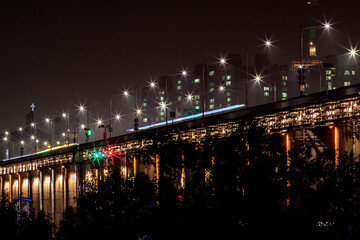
<point>57,54</point>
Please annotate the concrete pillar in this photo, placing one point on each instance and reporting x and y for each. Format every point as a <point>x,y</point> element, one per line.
<point>41,191</point>
<point>52,190</point>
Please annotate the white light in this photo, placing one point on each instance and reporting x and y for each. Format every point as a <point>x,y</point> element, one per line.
<point>82,126</point>
<point>126,93</point>
<point>138,111</point>
<point>20,129</point>
<point>6,133</point>
<point>81,108</point>
<point>99,122</point>
<point>118,117</point>
<point>184,72</point>
<point>47,120</point>
<point>221,88</point>
<point>268,43</point>
<point>64,115</point>
<point>32,124</point>
<point>257,78</point>
<point>327,25</point>
<point>189,97</point>
<point>32,137</point>
<point>222,60</point>
<point>45,143</point>
<point>22,142</point>
<point>163,106</point>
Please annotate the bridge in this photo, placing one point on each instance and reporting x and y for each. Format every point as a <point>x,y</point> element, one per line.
<point>52,179</point>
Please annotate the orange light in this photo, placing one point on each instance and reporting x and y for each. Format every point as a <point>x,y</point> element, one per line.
<point>336,143</point>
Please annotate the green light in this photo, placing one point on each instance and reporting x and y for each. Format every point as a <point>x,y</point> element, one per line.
<point>88,132</point>
<point>96,157</point>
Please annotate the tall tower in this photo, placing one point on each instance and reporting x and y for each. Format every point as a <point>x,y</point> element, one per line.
<point>312,16</point>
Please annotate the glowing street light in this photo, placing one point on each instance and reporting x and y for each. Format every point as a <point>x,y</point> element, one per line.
<point>268,43</point>
<point>222,61</point>
<point>81,108</point>
<point>126,93</point>
<point>221,88</point>
<point>117,116</point>
<point>152,84</point>
<point>189,97</point>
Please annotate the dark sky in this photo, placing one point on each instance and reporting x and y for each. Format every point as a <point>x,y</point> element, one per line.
<point>60,53</point>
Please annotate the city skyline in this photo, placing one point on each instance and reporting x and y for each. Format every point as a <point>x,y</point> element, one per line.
<point>53,94</point>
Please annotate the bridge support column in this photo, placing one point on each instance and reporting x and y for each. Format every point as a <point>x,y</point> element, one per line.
<point>1,187</point>
<point>135,166</point>
<point>336,145</point>
<point>41,191</point>
<point>10,188</point>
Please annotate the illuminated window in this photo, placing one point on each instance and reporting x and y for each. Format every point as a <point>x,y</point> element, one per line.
<point>162,119</point>
<point>284,78</point>
<point>228,94</point>
<point>333,71</point>
<point>283,99</point>
<point>197,97</point>
<point>312,51</point>
<point>228,99</point>
<point>328,77</point>
<point>211,89</point>
<point>328,72</point>
<point>145,104</point>
<point>197,107</point>
<point>196,80</point>
<point>211,73</point>
<point>162,113</point>
<point>212,84</point>
<point>162,92</point>
<point>284,84</point>
<point>228,77</point>
<point>266,88</point>
<point>179,82</point>
<point>211,106</point>
<point>228,83</point>
<point>353,72</point>
<point>179,98</point>
<point>284,95</point>
<point>347,72</point>
<point>162,98</point>
<point>197,102</point>
<point>212,100</point>
<point>346,84</point>
<point>266,94</point>
<point>179,87</point>
<point>145,120</point>
<point>329,85</point>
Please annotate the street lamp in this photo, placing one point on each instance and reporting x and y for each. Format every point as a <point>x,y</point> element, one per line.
<point>48,121</point>
<point>67,116</point>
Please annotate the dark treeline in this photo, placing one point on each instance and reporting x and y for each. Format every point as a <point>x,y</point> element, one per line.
<point>239,186</point>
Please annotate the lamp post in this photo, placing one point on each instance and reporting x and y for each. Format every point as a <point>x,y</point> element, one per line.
<point>267,44</point>
<point>48,121</point>
<point>67,117</point>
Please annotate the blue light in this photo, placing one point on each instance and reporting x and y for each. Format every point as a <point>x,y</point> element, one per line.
<point>197,115</point>
<point>13,158</point>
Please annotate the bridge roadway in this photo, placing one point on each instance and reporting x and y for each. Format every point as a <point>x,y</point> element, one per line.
<point>52,180</point>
